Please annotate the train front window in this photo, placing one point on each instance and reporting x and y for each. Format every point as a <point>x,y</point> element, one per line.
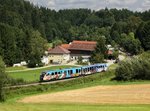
<point>43,74</point>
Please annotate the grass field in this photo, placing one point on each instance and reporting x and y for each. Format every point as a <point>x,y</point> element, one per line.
<point>105,78</point>
<point>32,75</point>
<point>71,107</point>
<point>15,68</point>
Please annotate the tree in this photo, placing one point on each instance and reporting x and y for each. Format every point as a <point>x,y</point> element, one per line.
<point>80,60</point>
<point>143,33</point>
<point>94,20</point>
<point>8,43</point>
<point>134,69</point>
<point>131,45</point>
<point>37,47</point>
<point>97,58</point>
<point>101,47</point>
<point>133,23</point>
<point>3,79</point>
<point>56,42</point>
<point>100,51</point>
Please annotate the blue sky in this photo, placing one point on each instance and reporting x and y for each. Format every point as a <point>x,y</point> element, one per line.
<point>135,5</point>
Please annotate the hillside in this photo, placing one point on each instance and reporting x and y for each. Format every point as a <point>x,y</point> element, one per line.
<point>22,23</point>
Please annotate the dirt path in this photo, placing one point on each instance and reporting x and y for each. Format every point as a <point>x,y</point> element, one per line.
<point>121,94</point>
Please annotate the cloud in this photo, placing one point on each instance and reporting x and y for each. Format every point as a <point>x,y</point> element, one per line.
<point>135,5</point>
<point>146,3</point>
<point>125,2</point>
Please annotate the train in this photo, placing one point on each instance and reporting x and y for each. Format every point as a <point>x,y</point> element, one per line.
<point>72,72</point>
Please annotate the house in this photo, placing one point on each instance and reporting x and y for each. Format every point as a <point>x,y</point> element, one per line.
<point>82,49</point>
<point>72,51</point>
<point>58,55</point>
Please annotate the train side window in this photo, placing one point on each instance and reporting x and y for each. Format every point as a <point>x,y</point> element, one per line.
<point>92,68</point>
<point>77,71</point>
<point>83,70</point>
<point>52,73</point>
<point>71,72</point>
<point>65,72</point>
<point>55,73</point>
<point>58,72</point>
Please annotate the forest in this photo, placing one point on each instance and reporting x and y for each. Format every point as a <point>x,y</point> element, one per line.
<point>25,29</point>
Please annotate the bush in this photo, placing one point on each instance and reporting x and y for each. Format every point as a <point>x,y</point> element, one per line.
<point>12,81</point>
<point>134,69</point>
<point>41,64</point>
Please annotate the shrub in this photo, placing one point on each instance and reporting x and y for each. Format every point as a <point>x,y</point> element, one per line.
<point>12,81</point>
<point>134,69</point>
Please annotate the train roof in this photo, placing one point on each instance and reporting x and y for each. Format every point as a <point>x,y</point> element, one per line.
<point>60,69</point>
<point>76,67</point>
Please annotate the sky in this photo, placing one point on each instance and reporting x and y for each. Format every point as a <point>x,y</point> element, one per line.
<point>134,5</point>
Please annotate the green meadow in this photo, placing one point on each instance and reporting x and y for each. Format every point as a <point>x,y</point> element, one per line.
<point>16,68</point>
<point>33,74</point>
<point>70,107</point>
<point>89,81</point>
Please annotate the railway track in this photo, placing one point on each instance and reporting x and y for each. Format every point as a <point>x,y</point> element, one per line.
<point>43,83</point>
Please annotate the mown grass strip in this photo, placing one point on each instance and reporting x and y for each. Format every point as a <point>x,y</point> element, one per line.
<point>71,107</point>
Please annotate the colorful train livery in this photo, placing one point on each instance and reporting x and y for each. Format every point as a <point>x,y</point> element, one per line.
<point>72,72</point>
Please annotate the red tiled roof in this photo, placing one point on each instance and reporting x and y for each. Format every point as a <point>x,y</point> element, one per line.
<point>84,42</point>
<point>66,46</point>
<point>83,45</point>
<point>59,50</point>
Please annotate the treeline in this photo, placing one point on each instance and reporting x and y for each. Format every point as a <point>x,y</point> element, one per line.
<point>25,28</point>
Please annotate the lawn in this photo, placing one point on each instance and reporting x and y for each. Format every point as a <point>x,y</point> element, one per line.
<point>16,68</point>
<point>33,75</point>
<point>70,107</point>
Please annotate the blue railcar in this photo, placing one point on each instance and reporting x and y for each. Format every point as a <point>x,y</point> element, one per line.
<point>72,72</point>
